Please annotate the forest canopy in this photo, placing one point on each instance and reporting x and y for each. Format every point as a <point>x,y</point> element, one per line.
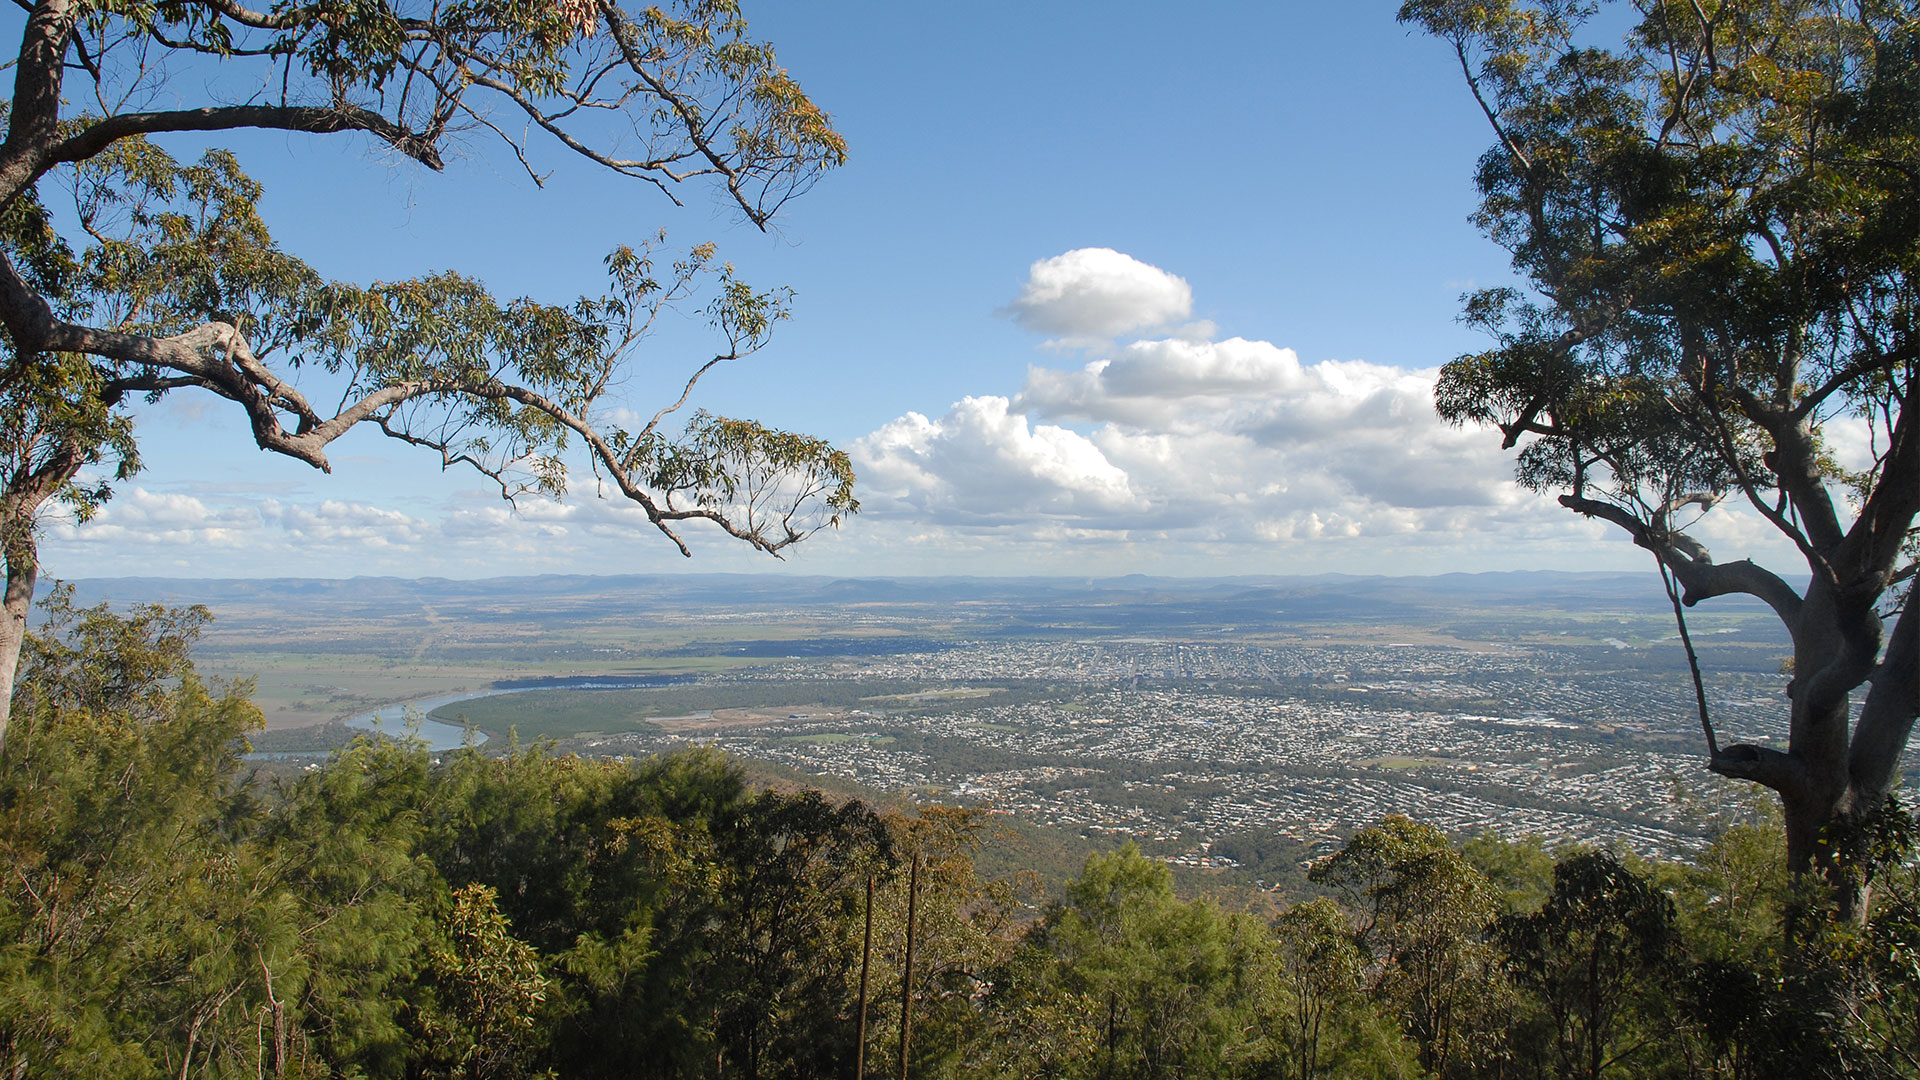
<point>176,909</point>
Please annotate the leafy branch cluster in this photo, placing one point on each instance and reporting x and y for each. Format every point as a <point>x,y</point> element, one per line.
<point>127,275</point>
<point>1716,228</point>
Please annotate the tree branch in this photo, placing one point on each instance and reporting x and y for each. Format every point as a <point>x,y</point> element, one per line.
<point>1880,361</point>
<point>97,136</point>
<point>638,168</point>
<point>1762,765</point>
<point>1794,462</point>
<point>1887,716</point>
<point>1693,660</point>
<point>1493,118</point>
<point>1701,578</point>
<point>279,20</point>
<point>1873,544</point>
<point>623,37</point>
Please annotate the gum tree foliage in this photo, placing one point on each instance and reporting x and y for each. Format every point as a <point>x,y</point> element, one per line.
<point>169,911</point>
<point>964,925</point>
<point>791,873</point>
<point>1715,222</point>
<point>127,275</point>
<point>160,917</point>
<point>672,921</point>
<point>494,992</point>
<point>1421,907</point>
<point>1330,1027</point>
<point>1122,979</point>
<point>1592,959</point>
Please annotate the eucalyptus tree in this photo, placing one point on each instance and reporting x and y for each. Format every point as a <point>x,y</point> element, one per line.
<point>1422,911</point>
<point>1125,980</point>
<point>1715,223</point>
<point>161,916</point>
<point>161,278</point>
<point>1594,961</point>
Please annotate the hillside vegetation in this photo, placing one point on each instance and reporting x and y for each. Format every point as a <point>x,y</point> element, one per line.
<point>173,911</point>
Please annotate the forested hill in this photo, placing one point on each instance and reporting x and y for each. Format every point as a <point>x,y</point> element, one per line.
<point>171,910</point>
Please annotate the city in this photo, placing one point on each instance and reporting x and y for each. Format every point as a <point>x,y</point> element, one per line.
<point>1177,745</point>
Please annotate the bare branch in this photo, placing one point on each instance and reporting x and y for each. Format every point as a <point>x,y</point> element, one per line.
<point>1693,659</point>
<point>1700,578</point>
<point>1762,765</point>
<point>692,381</point>
<point>1849,373</point>
<point>635,167</point>
<point>96,137</point>
<point>1493,118</point>
<point>279,20</point>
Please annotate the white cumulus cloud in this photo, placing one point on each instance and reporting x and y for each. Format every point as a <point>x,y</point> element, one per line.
<point>1097,293</point>
<point>336,522</point>
<point>980,462</point>
<point>136,515</point>
<point>1176,438</point>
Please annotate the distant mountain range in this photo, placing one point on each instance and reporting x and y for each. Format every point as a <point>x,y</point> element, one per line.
<point>1514,586</point>
<point>1029,602</point>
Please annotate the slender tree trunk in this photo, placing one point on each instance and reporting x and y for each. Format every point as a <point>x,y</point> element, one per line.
<point>906,977</point>
<point>20,503</point>
<point>866,954</point>
<point>1113,1032</point>
<point>1596,1042</point>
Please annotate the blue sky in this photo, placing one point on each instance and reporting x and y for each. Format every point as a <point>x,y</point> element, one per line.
<point>1104,288</point>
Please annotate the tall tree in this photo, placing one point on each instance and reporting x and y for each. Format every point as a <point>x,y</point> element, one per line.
<point>1125,981</point>
<point>1716,222</point>
<point>1423,908</point>
<point>162,916</point>
<point>162,278</point>
<point>1330,1027</point>
<point>1592,959</point>
<point>964,926</point>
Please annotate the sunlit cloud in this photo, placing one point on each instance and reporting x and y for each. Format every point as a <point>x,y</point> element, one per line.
<point>982,463</point>
<point>1233,451</point>
<point>1091,294</point>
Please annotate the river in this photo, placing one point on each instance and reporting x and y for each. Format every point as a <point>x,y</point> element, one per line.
<point>439,735</point>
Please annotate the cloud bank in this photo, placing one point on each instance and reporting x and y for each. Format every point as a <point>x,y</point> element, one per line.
<point>467,533</point>
<point>1218,455</point>
<point>1232,439</point>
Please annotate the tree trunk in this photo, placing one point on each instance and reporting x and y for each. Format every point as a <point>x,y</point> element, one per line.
<point>25,493</point>
<point>23,571</point>
<point>906,975</point>
<point>866,954</point>
<point>1844,769</point>
<point>1887,716</point>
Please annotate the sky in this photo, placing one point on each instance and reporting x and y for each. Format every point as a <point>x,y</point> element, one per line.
<point>1104,288</point>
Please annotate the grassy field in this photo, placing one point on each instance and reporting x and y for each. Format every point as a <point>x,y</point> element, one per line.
<point>302,689</point>
<point>569,713</point>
